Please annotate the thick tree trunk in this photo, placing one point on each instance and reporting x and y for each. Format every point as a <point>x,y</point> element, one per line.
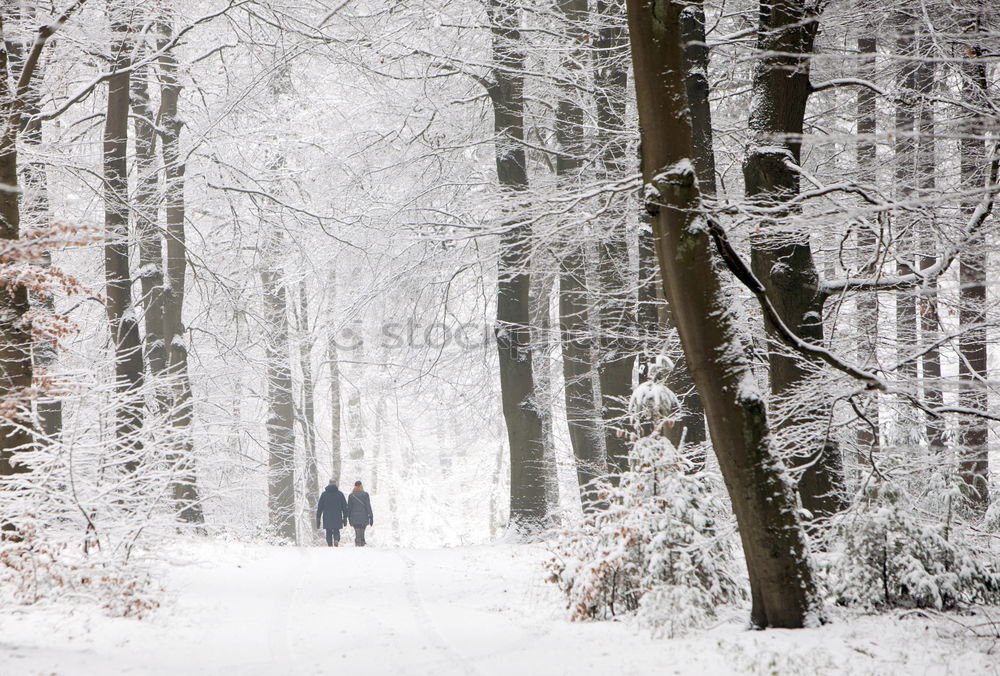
<point>575,278</point>
<point>121,311</point>
<point>524,427</point>
<point>15,337</point>
<point>280,405</point>
<point>774,542</point>
<point>577,343</point>
<point>691,427</point>
<point>973,364</point>
<point>781,253</point>
<point>184,490</point>
<point>618,344</point>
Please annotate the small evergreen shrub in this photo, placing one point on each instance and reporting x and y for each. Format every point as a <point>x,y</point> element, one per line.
<point>885,554</point>
<point>660,551</point>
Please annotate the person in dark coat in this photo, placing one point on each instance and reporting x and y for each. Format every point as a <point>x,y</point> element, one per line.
<point>332,508</point>
<point>359,513</point>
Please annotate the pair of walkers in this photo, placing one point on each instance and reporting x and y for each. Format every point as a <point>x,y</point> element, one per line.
<point>336,512</point>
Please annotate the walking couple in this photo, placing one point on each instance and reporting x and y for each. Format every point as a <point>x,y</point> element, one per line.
<point>336,512</point>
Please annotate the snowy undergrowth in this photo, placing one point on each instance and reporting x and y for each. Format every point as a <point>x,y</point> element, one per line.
<point>89,519</point>
<point>661,552</point>
<point>44,570</point>
<point>888,550</point>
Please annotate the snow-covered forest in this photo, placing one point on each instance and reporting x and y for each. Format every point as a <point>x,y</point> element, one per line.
<point>639,325</point>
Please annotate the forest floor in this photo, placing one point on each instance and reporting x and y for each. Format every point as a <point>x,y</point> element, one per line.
<point>242,609</point>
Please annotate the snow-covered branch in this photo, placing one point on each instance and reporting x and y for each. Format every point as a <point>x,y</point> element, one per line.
<point>929,274</point>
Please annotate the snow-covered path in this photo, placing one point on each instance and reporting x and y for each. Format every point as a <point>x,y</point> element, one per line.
<point>307,610</point>
<point>247,610</point>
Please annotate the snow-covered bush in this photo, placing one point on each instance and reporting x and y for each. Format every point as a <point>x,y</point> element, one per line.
<point>34,568</point>
<point>660,548</point>
<point>885,553</point>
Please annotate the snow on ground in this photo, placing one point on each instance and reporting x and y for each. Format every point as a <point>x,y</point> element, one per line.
<point>247,610</point>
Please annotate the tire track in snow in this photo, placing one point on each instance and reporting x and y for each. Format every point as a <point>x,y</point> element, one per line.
<point>424,621</point>
<point>279,638</point>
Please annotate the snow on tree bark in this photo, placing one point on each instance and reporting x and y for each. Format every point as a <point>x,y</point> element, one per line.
<point>147,226</point>
<point>333,357</point>
<point>280,405</point>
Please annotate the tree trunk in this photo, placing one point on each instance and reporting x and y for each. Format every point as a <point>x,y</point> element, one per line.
<point>927,305</point>
<point>868,248</point>
<point>35,211</point>
<point>15,337</point>
<point>311,478</point>
<point>578,348</point>
<point>691,428</point>
<point>121,311</point>
<point>280,405</point>
<point>356,423</point>
<point>653,331</point>
<point>781,253</point>
<point>184,491</point>
<point>696,83</point>
<point>332,357</point>
<point>541,342</point>
<point>618,344</point>
<point>524,426</point>
<point>147,225</point>
<point>379,458</point>
<point>774,543</point>
<point>973,364</point>
<point>578,368</point>
<point>904,148</point>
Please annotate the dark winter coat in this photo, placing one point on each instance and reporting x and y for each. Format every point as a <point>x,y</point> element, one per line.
<point>332,507</point>
<point>359,509</point>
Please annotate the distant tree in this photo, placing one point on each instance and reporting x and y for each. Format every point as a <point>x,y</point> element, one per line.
<point>123,316</point>
<point>513,333</point>
<point>186,495</point>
